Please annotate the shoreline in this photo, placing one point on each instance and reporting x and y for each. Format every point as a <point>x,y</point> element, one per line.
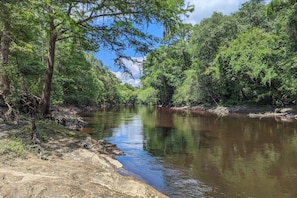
<point>71,163</point>
<point>286,114</point>
<point>88,165</point>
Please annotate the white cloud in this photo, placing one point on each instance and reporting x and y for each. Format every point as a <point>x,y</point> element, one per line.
<point>135,67</point>
<point>205,8</point>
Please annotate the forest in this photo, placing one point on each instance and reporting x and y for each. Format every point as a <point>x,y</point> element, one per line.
<point>47,54</point>
<point>47,49</point>
<point>248,57</point>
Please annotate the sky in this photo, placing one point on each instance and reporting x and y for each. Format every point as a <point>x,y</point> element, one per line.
<point>203,9</point>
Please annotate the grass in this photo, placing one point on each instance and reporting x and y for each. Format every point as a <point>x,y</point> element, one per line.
<point>19,144</point>
<point>50,129</point>
<point>12,148</point>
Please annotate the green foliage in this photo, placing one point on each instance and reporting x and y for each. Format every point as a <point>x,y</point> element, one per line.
<point>58,35</point>
<point>252,14</point>
<point>209,35</point>
<point>128,94</point>
<point>77,76</point>
<point>189,92</point>
<point>249,66</point>
<point>283,13</point>
<point>292,28</point>
<point>205,42</point>
<point>248,57</point>
<point>84,21</point>
<point>148,95</point>
<point>163,70</point>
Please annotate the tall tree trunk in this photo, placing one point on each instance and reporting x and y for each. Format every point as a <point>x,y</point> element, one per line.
<point>4,53</point>
<point>46,92</point>
<point>4,80</point>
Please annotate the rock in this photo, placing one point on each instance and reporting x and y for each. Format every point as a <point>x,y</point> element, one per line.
<point>81,173</point>
<point>71,121</point>
<point>219,110</point>
<point>71,169</point>
<point>101,146</point>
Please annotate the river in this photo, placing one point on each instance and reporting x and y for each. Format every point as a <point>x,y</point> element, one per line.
<point>186,154</point>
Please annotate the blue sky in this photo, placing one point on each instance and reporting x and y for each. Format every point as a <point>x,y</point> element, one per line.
<point>203,9</point>
<point>107,57</point>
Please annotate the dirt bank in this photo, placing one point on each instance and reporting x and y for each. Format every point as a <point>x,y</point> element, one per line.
<point>66,164</point>
<point>287,114</point>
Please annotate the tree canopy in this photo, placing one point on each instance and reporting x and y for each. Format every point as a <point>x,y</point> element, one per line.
<point>247,57</point>
<point>47,49</point>
<point>62,35</point>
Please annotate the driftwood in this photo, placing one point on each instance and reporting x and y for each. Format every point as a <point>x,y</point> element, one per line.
<point>12,104</point>
<point>28,103</point>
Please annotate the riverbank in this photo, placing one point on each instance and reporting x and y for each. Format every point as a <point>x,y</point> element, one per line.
<point>61,162</point>
<point>286,114</point>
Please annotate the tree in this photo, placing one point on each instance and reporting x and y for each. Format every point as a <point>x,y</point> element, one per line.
<point>284,15</point>
<point>162,70</point>
<point>248,68</point>
<point>5,22</point>
<point>205,41</point>
<point>12,31</point>
<point>247,57</point>
<point>116,24</point>
<point>252,14</point>
<point>164,67</point>
<point>190,91</point>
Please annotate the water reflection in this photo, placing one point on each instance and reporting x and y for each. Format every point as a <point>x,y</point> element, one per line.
<point>128,137</point>
<point>188,155</point>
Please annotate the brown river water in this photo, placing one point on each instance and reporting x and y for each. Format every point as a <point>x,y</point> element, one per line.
<point>202,155</point>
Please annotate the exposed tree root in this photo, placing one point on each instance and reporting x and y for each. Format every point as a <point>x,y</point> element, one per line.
<point>10,114</point>
<point>13,104</point>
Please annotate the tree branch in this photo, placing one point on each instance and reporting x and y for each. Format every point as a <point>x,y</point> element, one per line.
<point>67,37</point>
<point>106,15</point>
